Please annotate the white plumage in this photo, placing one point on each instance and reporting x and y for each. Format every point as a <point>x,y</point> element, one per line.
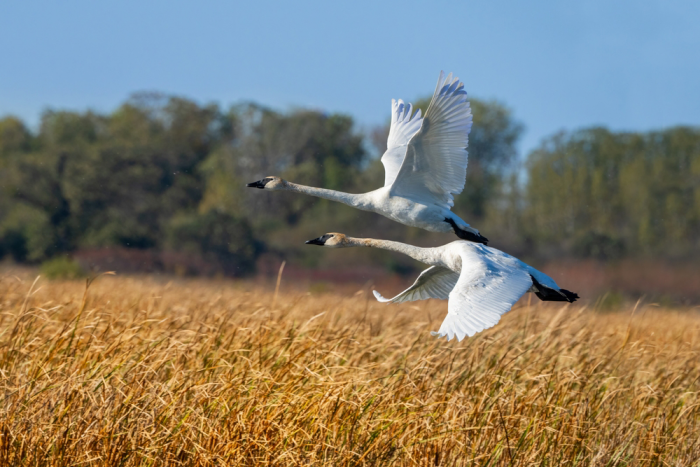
<point>435,157</point>
<point>425,165</point>
<point>480,282</point>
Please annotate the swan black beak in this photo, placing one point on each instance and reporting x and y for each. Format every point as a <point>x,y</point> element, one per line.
<point>318,241</point>
<point>259,184</point>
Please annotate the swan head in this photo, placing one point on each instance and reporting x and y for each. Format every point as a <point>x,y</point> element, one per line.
<point>269,183</point>
<point>331,240</point>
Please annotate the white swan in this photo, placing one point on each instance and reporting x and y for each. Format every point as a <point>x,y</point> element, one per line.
<point>481,282</point>
<point>425,165</point>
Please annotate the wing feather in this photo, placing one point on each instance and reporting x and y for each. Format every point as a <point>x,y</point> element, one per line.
<point>404,124</point>
<point>434,282</point>
<point>434,167</point>
<point>488,286</point>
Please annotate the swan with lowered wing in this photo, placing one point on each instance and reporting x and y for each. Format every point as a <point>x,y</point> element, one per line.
<point>481,283</point>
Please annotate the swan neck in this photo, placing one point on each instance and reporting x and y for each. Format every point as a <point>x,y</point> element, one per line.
<point>415,252</point>
<point>339,196</point>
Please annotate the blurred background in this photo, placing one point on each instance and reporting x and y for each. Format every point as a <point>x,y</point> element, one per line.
<point>128,131</point>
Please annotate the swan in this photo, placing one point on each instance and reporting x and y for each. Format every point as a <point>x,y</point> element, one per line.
<point>425,165</point>
<point>480,282</point>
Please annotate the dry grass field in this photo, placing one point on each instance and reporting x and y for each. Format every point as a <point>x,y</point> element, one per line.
<point>146,372</point>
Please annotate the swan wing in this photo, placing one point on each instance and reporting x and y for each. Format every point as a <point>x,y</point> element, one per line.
<point>488,286</point>
<point>435,165</point>
<point>434,282</point>
<point>403,126</point>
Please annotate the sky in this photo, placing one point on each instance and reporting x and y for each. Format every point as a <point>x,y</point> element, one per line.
<point>627,65</point>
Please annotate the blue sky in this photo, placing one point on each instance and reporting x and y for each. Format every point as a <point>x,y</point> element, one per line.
<point>631,65</point>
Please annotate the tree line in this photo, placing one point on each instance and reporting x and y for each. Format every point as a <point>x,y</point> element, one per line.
<point>164,173</point>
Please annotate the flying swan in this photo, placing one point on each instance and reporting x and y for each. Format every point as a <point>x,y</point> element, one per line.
<point>480,282</point>
<point>425,165</point>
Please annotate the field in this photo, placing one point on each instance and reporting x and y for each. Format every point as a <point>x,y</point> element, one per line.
<point>142,371</point>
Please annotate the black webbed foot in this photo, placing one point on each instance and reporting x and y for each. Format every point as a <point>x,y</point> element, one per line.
<point>465,234</point>
<point>548,294</point>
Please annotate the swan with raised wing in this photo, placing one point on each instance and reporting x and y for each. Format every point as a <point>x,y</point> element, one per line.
<point>425,165</point>
<point>481,283</point>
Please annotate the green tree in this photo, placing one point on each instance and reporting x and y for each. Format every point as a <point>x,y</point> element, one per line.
<point>166,173</point>
<point>15,141</point>
<point>227,243</point>
<point>303,146</point>
<point>600,193</point>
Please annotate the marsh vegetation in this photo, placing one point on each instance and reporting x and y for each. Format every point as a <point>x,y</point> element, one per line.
<point>141,371</point>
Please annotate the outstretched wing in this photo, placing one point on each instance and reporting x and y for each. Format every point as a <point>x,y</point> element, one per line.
<point>488,287</point>
<point>435,165</point>
<point>403,127</point>
<point>434,282</point>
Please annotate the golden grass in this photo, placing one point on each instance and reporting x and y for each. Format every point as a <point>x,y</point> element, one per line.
<point>209,373</point>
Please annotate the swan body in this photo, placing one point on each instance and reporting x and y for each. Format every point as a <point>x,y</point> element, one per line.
<point>425,165</point>
<point>481,283</point>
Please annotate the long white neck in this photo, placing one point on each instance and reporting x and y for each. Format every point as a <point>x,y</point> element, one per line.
<point>350,199</point>
<point>424,255</point>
